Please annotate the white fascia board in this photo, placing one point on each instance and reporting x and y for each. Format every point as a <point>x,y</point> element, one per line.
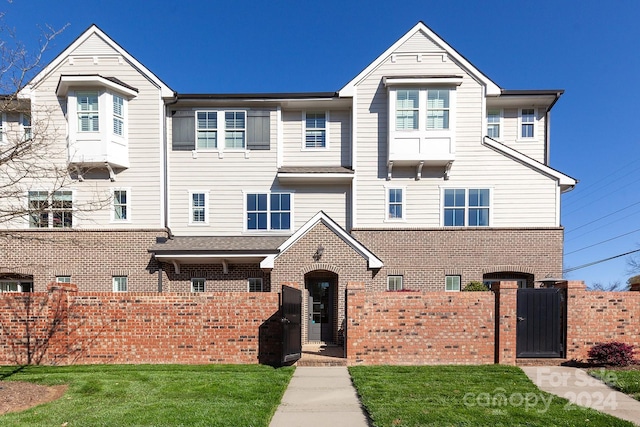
<point>91,80</point>
<point>391,81</point>
<point>492,88</point>
<point>165,90</point>
<point>372,261</point>
<point>563,180</point>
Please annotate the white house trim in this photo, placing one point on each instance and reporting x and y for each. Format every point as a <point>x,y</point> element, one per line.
<point>372,261</point>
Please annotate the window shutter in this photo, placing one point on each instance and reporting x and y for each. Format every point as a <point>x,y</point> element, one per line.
<point>183,131</point>
<point>258,130</point>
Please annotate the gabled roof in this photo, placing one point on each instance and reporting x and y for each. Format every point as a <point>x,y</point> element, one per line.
<point>564,181</point>
<point>166,91</point>
<point>321,217</point>
<point>492,89</point>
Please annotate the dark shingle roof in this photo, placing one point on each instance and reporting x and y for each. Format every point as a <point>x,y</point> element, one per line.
<point>219,244</point>
<point>314,169</point>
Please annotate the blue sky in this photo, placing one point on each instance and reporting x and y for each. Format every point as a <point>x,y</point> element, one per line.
<point>587,48</point>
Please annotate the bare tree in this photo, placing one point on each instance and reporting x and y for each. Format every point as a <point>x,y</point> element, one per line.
<point>616,286</point>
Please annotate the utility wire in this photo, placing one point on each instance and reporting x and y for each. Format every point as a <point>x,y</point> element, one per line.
<point>600,228</point>
<point>602,217</point>
<point>591,201</point>
<point>598,262</point>
<point>604,241</point>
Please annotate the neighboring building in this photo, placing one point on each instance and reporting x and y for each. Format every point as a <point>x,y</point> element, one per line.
<point>419,174</point>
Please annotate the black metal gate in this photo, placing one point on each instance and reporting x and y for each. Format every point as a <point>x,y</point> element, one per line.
<point>291,316</point>
<point>541,330</point>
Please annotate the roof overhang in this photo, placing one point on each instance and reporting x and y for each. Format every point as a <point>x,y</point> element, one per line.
<point>519,98</point>
<point>315,175</point>
<point>565,182</point>
<point>422,80</point>
<point>93,80</point>
<point>373,262</point>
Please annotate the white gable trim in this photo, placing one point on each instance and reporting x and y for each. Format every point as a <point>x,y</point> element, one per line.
<point>564,181</point>
<point>492,88</point>
<point>165,90</point>
<point>372,260</point>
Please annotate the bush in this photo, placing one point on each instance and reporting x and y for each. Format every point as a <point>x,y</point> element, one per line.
<point>612,353</point>
<point>475,286</point>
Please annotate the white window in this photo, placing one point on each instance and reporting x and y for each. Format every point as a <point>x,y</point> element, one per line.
<point>254,284</point>
<point>466,207</point>
<point>494,122</point>
<point>10,286</point>
<point>269,211</point>
<point>315,134</point>
<point>88,112</point>
<point>25,122</point>
<point>394,283</point>
<point>407,109</point>
<point>438,108</point>
<point>120,283</point>
<point>452,283</point>
<point>63,279</point>
<point>197,285</point>
<point>527,123</point>
<point>198,207</point>
<point>395,203</point>
<point>206,130</point>
<point>53,210</point>
<point>118,115</point>
<point>121,202</point>
<point>235,130</point>
<point>429,109</point>
<point>2,128</point>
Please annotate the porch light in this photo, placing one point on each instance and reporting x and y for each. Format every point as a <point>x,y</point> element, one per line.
<point>318,254</point>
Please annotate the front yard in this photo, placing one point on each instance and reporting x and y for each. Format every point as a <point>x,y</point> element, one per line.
<point>627,381</point>
<point>491,395</point>
<point>153,395</point>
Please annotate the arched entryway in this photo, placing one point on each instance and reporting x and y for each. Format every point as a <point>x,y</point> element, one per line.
<point>524,280</point>
<point>321,309</point>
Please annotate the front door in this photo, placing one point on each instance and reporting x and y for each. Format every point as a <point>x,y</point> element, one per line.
<point>320,308</point>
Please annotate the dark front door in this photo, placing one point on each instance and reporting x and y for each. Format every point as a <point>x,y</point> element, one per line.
<point>541,316</point>
<point>320,308</point>
<point>290,310</point>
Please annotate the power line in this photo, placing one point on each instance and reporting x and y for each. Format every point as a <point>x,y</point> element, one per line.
<point>591,201</point>
<point>602,217</point>
<point>604,241</point>
<point>600,228</point>
<point>598,262</point>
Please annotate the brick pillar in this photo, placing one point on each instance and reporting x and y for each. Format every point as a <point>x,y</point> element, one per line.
<point>506,321</point>
<point>57,347</point>
<point>355,332</point>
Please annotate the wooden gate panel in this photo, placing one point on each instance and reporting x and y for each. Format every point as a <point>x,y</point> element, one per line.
<point>541,316</point>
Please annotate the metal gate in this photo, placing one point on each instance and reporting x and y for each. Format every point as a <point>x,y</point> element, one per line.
<point>542,316</point>
<point>291,315</point>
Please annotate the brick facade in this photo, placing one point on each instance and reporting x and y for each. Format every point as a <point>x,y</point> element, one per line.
<point>425,257</point>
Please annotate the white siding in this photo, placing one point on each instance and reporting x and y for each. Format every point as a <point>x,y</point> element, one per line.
<point>419,42</point>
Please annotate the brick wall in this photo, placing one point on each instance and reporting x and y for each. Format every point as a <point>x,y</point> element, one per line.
<point>90,257</point>
<point>92,327</point>
<point>595,317</point>
<point>416,328</point>
<point>424,257</point>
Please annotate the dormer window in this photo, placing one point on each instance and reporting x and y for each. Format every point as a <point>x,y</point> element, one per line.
<point>88,112</point>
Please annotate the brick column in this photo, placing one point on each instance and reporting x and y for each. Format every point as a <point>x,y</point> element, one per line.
<point>354,333</point>
<point>506,321</point>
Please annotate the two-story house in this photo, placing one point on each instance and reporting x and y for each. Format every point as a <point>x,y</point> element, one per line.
<point>419,174</point>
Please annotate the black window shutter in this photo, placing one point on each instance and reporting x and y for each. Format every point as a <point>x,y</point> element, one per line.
<point>258,130</point>
<point>183,131</point>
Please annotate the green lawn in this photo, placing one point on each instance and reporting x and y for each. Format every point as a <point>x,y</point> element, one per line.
<point>627,382</point>
<point>154,395</point>
<point>491,395</point>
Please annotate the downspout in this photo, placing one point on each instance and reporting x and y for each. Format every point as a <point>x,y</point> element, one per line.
<point>547,127</point>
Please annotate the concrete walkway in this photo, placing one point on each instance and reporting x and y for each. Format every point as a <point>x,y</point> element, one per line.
<point>580,388</point>
<point>320,396</point>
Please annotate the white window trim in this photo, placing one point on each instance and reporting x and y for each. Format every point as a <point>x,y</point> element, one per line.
<point>218,129</point>
<point>386,203</point>
<point>113,205</point>
<point>22,127</point>
<point>204,284</point>
<point>114,284</point>
<point>255,278</point>
<point>206,208</point>
<point>500,123</point>
<point>394,276</point>
<point>459,283</point>
<point>221,129</point>
<point>466,205</point>
<point>422,111</point>
<point>105,116</point>
<point>535,125</point>
<point>63,279</point>
<point>3,128</point>
<point>16,282</point>
<point>74,218</point>
<point>125,114</point>
<point>268,193</point>
<point>304,131</point>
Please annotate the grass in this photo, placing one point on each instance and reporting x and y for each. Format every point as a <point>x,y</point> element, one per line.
<point>627,382</point>
<point>154,395</point>
<point>492,395</point>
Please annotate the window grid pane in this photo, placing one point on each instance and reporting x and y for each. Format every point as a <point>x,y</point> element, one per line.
<point>438,109</point>
<point>528,120</point>
<point>256,211</point>
<point>394,283</point>
<point>234,129</point>
<point>198,207</point>
<point>88,115</point>
<point>206,129</point>
<point>255,284</point>
<point>62,206</point>
<point>395,203</point>
<point>120,204</point>
<point>38,209</point>
<point>197,285</point>
<point>120,284</point>
<point>280,211</point>
<point>452,283</point>
<point>493,124</point>
<point>476,208</point>
<point>407,109</point>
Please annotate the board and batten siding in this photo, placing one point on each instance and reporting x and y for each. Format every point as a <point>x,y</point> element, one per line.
<point>522,196</point>
<point>145,139</point>
<point>338,150</point>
